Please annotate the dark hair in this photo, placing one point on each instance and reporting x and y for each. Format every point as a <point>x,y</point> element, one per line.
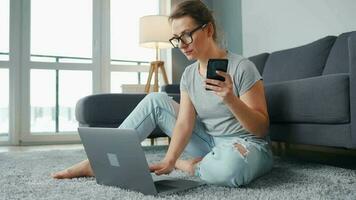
<point>196,10</point>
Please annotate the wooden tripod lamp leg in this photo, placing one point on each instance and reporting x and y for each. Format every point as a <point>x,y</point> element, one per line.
<point>163,70</point>
<point>148,84</point>
<point>155,66</point>
<point>155,86</point>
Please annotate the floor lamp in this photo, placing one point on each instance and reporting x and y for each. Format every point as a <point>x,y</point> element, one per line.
<point>155,32</point>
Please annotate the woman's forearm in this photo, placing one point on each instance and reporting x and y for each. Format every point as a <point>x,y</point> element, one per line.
<point>180,138</point>
<point>253,121</point>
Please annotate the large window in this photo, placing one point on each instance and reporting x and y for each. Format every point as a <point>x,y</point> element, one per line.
<point>62,38</point>
<point>4,103</point>
<point>59,33</point>
<point>61,51</point>
<point>124,42</point>
<point>69,95</point>
<point>4,69</point>
<point>4,29</point>
<point>43,100</point>
<point>124,22</point>
<point>54,94</point>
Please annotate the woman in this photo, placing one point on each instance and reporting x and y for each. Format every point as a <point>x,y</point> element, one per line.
<point>223,129</point>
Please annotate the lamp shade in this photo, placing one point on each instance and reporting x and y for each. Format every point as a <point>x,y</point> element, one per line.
<point>155,31</point>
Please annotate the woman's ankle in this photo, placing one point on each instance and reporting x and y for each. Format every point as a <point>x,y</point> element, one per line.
<point>187,166</point>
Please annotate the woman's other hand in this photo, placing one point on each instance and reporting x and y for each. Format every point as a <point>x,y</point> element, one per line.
<point>164,167</point>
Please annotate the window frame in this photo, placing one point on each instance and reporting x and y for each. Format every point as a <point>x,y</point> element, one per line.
<point>166,55</point>
<point>25,136</point>
<point>20,64</point>
<point>10,66</point>
<point>6,65</point>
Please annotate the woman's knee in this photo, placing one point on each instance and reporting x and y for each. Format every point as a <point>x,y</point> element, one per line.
<point>226,177</point>
<point>157,97</point>
<point>219,168</point>
<point>234,165</point>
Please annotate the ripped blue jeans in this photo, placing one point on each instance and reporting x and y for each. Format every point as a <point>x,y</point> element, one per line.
<point>223,163</point>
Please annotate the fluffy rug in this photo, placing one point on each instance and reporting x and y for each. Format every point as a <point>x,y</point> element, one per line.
<point>25,175</point>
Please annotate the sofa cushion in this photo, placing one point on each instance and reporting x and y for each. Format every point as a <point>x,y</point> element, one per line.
<point>108,110</point>
<point>260,61</point>
<point>338,60</point>
<point>323,99</point>
<point>171,88</point>
<point>297,63</point>
<point>92,109</point>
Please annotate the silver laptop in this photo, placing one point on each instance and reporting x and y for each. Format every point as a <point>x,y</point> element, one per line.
<point>117,159</point>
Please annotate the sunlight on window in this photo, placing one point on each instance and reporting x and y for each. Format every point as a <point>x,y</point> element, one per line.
<point>4,29</point>
<point>4,102</point>
<point>120,78</point>
<point>73,85</point>
<point>62,28</point>
<point>43,100</point>
<point>124,29</point>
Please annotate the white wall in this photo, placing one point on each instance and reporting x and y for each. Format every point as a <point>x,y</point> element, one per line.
<point>273,25</point>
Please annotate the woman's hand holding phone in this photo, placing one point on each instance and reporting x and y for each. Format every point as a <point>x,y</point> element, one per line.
<point>218,81</point>
<point>216,65</point>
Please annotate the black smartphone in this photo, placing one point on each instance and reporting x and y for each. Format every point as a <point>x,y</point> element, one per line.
<point>213,66</point>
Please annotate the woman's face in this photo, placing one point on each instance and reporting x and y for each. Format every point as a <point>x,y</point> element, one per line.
<point>195,49</point>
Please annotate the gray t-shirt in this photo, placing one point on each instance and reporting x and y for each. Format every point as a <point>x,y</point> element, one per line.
<point>216,117</point>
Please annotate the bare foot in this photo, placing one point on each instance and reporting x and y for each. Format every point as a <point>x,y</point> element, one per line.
<point>187,165</point>
<point>78,170</point>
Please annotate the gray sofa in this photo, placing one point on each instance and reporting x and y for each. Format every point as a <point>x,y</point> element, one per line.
<point>310,91</point>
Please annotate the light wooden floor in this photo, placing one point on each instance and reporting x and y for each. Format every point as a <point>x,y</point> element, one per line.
<point>147,142</point>
<point>39,148</point>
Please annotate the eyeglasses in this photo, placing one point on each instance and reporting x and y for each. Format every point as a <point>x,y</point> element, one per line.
<point>186,38</point>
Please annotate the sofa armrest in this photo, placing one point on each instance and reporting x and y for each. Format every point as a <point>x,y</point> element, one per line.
<point>106,110</point>
<point>171,88</point>
<point>259,61</point>
<point>352,65</point>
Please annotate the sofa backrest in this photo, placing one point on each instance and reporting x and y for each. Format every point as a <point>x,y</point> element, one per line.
<point>260,61</point>
<point>299,62</point>
<point>338,60</point>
